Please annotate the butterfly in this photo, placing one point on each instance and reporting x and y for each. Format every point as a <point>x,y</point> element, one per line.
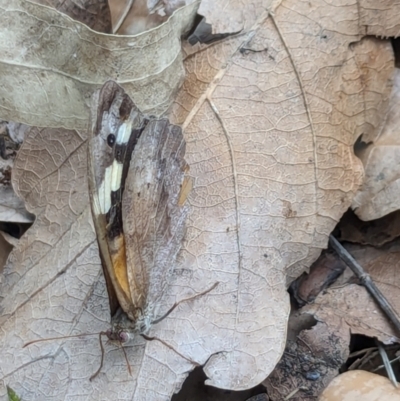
<point>138,185</point>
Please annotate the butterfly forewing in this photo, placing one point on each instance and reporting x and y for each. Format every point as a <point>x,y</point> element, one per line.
<point>116,125</point>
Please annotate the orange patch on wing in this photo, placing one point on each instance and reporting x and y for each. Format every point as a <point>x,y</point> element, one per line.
<point>118,258</point>
<point>186,187</point>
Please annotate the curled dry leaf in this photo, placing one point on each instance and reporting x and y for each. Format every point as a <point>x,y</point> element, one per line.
<point>50,65</point>
<point>270,118</point>
<point>379,194</point>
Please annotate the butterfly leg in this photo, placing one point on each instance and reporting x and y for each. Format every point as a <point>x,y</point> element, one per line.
<point>170,347</point>
<point>102,356</point>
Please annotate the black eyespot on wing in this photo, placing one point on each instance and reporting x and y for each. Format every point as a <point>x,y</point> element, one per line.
<point>111,140</point>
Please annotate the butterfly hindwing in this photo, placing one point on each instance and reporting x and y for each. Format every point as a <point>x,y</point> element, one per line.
<point>153,215</point>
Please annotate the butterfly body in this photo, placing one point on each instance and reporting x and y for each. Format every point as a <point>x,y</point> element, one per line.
<point>138,187</point>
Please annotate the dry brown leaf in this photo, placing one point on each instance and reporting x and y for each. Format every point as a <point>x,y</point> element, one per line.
<point>383,265</point>
<point>50,65</point>
<point>379,194</point>
<point>93,13</point>
<point>353,306</point>
<point>270,119</point>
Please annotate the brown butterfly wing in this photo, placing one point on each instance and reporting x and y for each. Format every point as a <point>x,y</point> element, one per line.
<point>116,124</point>
<point>154,212</point>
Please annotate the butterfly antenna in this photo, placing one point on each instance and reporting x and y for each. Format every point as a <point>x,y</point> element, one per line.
<point>183,300</point>
<point>57,338</point>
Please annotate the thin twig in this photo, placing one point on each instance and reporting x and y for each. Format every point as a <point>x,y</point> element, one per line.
<point>387,364</point>
<point>363,351</point>
<point>294,392</point>
<point>382,366</point>
<point>362,361</point>
<point>366,281</point>
<point>299,338</point>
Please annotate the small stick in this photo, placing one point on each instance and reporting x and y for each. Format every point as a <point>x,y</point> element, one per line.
<point>294,392</point>
<point>387,364</point>
<point>365,280</point>
<point>382,366</point>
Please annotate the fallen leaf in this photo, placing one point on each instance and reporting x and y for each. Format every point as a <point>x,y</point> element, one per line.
<point>382,264</point>
<point>348,308</point>
<point>360,385</point>
<point>93,13</point>
<point>270,119</point>
<point>268,139</point>
<point>353,307</point>
<point>379,194</point>
<point>50,64</point>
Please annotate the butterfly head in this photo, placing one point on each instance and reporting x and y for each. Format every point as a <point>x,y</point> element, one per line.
<point>119,335</point>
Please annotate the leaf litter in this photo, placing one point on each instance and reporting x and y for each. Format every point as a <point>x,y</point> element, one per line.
<point>270,115</point>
